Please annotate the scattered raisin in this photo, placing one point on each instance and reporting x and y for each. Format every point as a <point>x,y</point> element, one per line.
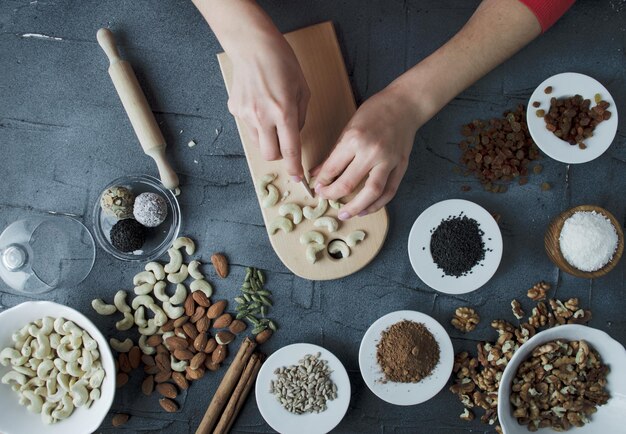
<point>548,90</point>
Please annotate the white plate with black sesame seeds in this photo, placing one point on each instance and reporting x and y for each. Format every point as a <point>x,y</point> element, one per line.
<point>283,420</point>
<point>453,272</point>
<point>405,393</point>
<point>565,85</point>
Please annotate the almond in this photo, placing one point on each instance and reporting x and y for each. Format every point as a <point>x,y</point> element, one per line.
<point>189,305</point>
<point>163,376</point>
<point>124,363</point>
<point>219,354</point>
<point>147,386</point>
<point>178,331</point>
<point>121,379</point>
<point>203,324</point>
<point>180,380</point>
<point>168,405</point>
<point>183,354</point>
<point>190,330</point>
<point>200,341</point>
<point>163,362</point>
<point>167,389</point>
<point>197,360</point>
<point>134,357</point>
<point>148,360</point>
<point>237,326</point>
<point>154,340</point>
<point>210,365</point>
<point>176,343</point>
<point>224,337</point>
<point>180,321</point>
<point>216,309</point>
<point>210,346</point>
<point>263,336</point>
<point>222,321</point>
<point>201,298</point>
<point>195,374</point>
<point>151,370</point>
<point>162,349</point>
<point>119,419</point>
<point>199,313</point>
<point>220,263</point>
<point>168,326</point>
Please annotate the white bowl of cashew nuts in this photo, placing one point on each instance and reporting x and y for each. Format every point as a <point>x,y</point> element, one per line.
<point>609,417</point>
<point>80,357</point>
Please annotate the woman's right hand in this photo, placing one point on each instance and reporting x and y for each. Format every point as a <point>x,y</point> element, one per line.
<point>270,95</point>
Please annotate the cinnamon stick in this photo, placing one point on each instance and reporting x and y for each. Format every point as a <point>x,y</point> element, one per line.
<point>225,389</point>
<point>239,394</point>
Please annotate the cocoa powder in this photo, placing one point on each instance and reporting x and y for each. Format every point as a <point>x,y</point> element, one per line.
<point>407,352</point>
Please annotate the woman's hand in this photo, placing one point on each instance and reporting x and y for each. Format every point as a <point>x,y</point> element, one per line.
<point>375,147</point>
<point>269,92</point>
<point>270,95</point>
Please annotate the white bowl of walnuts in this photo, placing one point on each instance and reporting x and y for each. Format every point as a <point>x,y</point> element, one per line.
<point>571,376</point>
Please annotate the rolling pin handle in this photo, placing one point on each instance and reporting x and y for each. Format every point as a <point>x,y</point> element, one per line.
<point>107,42</point>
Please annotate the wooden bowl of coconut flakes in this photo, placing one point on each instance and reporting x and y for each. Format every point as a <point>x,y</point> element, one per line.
<point>585,246</point>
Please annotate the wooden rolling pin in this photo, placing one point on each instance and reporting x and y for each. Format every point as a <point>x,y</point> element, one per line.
<point>137,108</point>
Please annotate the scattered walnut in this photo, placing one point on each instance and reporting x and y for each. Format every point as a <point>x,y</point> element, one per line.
<point>467,414</point>
<point>516,307</point>
<point>477,378</point>
<point>538,291</point>
<point>465,319</point>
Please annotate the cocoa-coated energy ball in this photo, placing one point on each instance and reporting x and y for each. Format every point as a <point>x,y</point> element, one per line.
<point>128,235</point>
<point>150,209</point>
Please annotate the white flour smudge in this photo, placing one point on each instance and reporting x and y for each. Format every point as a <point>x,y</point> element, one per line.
<point>40,36</point>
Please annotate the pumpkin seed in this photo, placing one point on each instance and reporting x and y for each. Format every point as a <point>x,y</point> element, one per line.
<point>240,300</point>
<point>242,315</point>
<point>263,310</point>
<point>258,329</point>
<point>253,320</point>
<point>271,324</point>
<point>260,276</point>
<point>264,292</point>
<point>266,301</point>
<point>247,297</point>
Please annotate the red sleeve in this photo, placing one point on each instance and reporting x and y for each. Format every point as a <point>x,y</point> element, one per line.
<point>548,11</point>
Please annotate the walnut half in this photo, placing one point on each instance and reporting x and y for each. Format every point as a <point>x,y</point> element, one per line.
<point>465,319</point>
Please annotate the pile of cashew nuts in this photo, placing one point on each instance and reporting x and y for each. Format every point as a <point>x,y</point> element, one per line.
<point>151,284</point>
<point>291,214</point>
<point>55,368</point>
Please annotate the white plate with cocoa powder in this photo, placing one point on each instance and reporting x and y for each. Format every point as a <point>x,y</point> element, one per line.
<point>565,85</point>
<point>308,423</point>
<point>420,253</point>
<point>405,393</point>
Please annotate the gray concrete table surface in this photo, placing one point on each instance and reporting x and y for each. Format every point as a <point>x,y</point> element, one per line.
<point>64,135</point>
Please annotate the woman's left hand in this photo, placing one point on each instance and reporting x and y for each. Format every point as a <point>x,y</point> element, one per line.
<point>375,147</point>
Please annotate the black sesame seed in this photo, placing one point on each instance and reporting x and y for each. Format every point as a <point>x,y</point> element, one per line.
<point>457,245</point>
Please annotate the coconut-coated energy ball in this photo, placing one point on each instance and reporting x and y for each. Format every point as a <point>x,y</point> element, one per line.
<point>117,202</point>
<point>150,209</point>
<point>128,235</point>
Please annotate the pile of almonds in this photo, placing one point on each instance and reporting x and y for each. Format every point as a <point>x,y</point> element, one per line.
<point>499,150</point>
<point>200,337</point>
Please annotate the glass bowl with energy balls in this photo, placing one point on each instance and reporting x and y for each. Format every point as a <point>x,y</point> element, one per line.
<point>135,218</point>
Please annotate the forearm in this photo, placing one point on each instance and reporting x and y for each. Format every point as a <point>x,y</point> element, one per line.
<point>496,31</point>
<point>237,23</point>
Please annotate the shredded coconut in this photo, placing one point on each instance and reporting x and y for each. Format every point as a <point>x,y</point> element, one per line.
<point>588,240</point>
